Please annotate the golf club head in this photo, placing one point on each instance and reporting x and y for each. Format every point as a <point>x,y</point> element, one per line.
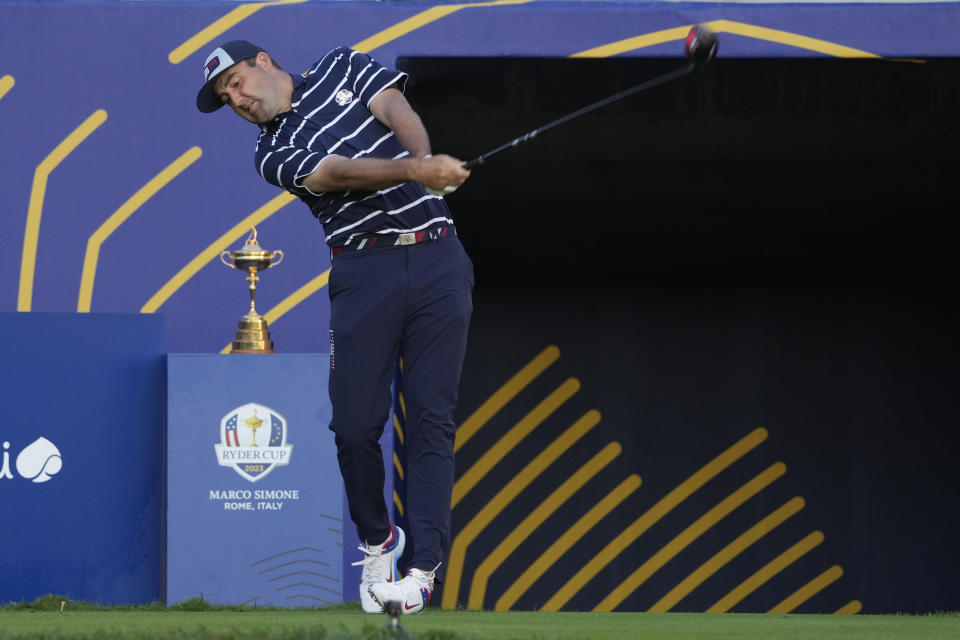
<point>700,45</point>
<point>393,611</point>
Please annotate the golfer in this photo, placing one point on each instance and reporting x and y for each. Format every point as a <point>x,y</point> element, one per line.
<point>343,139</point>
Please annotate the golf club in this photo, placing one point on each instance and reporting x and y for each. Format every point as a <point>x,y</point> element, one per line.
<point>700,46</point>
<point>530,135</point>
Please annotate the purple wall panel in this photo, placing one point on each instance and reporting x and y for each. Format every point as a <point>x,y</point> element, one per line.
<point>69,60</point>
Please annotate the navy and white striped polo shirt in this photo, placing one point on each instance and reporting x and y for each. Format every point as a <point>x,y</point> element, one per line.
<point>330,115</point>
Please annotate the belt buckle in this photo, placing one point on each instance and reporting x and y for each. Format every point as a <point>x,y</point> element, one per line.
<point>408,238</point>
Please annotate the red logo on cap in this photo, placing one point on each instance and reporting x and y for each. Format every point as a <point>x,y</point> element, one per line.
<point>213,64</point>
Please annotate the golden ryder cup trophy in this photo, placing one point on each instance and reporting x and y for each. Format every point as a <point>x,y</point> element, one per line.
<point>252,335</point>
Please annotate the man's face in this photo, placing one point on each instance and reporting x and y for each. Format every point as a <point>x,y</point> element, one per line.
<point>251,92</point>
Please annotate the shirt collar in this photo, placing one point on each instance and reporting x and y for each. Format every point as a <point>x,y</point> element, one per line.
<point>299,84</point>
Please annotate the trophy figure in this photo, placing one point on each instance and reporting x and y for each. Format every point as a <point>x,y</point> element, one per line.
<point>252,335</point>
<point>254,423</point>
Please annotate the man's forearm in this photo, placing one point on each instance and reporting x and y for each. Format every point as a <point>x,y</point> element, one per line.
<point>339,173</point>
<point>361,173</point>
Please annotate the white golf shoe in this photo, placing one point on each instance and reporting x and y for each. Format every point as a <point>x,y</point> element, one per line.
<point>379,566</point>
<point>413,592</point>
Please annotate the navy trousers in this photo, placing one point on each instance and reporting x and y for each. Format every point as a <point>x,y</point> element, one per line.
<point>413,301</point>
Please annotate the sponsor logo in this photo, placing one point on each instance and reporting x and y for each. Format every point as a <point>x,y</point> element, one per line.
<point>253,440</point>
<point>212,66</point>
<point>38,462</point>
<point>424,599</point>
<point>344,97</point>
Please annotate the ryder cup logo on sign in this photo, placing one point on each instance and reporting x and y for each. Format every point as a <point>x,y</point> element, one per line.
<point>344,96</point>
<point>253,440</point>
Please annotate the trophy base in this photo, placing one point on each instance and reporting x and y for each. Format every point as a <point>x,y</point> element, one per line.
<point>252,336</point>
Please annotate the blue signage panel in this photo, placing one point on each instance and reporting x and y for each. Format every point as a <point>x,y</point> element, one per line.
<point>254,495</point>
<point>81,453</point>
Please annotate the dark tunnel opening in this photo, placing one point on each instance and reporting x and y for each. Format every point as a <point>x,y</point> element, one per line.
<point>757,169</point>
<point>768,243</point>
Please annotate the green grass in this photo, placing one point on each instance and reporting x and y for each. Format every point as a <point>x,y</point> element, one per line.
<point>41,619</point>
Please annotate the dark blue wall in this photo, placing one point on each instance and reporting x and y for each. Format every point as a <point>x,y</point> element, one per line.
<point>90,524</point>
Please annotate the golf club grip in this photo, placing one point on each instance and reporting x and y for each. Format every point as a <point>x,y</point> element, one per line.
<point>513,143</point>
<point>649,84</point>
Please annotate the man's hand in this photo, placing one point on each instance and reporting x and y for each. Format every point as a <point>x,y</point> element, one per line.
<point>440,174</point>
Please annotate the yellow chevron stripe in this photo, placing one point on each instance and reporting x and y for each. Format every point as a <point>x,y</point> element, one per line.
<point>398,428</point>
<point>214,249</point>
<point>396,501</point>
<point>725,555</point>
<point>6,83</point>
<point>766,572</point>
<point>505,394</point>
<point>809,590</point>
<point>504,497</point>
<point>563,544</point>
<point>397,465</point>
<point>421,19</point>
<point>688,535</point>
<point>31,235</point>
<point>726,26</point>
<point>636,42</point>
<point>298,296</point>
<point>513,437</point>
<point>652,516</point>
<point>120,216</point>
<point>788,38</point>
<point>481,576</point>
<point>849,609</point>
<point>292,300</point>
<point>219,26</point>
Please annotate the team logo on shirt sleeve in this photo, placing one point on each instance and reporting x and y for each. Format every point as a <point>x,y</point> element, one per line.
<point>344,97</point>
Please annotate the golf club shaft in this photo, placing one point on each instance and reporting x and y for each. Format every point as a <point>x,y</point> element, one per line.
<point>649,84</point>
